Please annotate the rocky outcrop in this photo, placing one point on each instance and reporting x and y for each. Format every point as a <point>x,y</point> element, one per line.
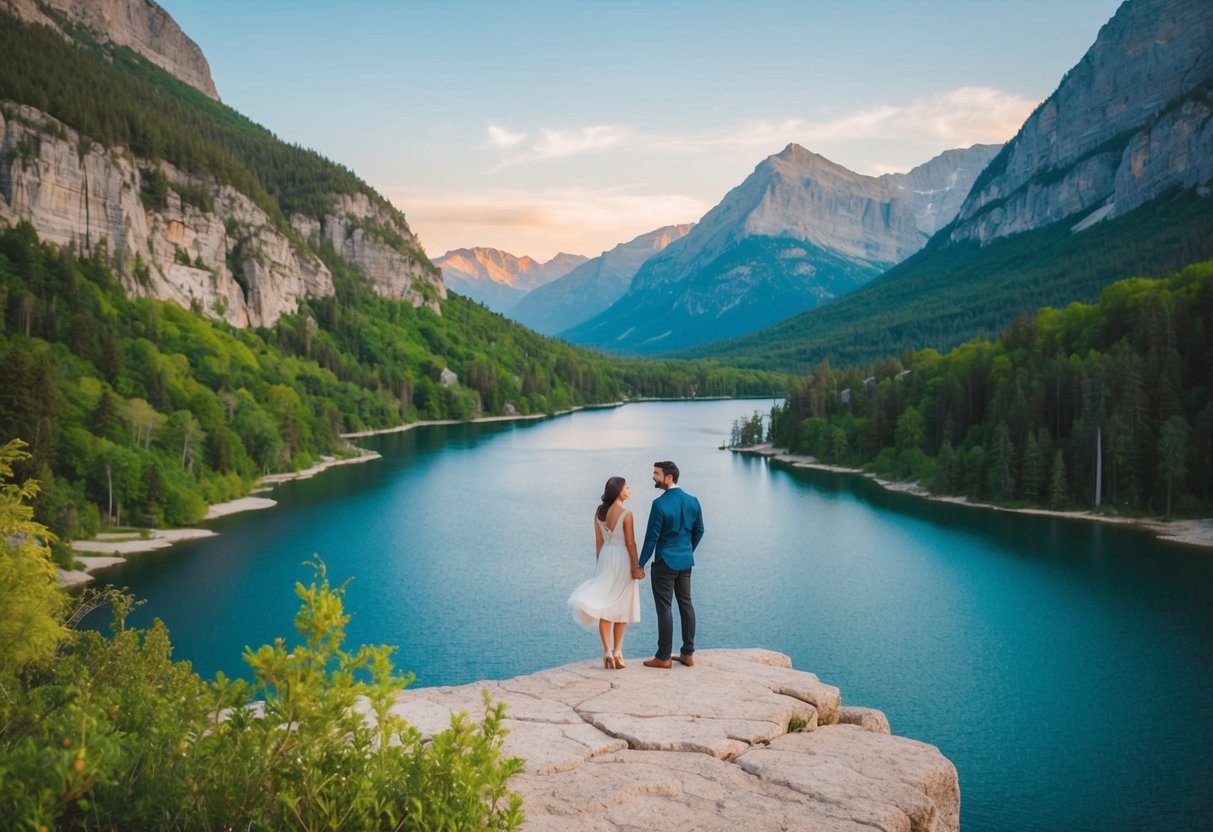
<point>593,286</point>
<point>739,741</point>
<point>1131,121</point>
<point>368,235</point>
<point>497,278</point>
<point>199,243</point>
<point>798,232</point>
<point>935,190</point>
<point>141,25</point>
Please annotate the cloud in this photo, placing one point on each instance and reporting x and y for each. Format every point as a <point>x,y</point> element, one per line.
<point>501,137</point>
<point>555,144</point>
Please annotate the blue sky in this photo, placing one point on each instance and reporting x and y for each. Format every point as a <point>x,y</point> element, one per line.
<point>538,127</point>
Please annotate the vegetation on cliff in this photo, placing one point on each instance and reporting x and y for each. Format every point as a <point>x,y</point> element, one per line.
<point>1104,404</point>
<point>111,733</point>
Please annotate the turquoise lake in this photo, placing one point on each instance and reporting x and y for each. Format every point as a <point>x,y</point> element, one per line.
<point>1065,667</point>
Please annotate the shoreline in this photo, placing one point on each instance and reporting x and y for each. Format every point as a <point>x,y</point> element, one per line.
<point>513,417</point>
<point>110,549</point>
<point>1192,532</point>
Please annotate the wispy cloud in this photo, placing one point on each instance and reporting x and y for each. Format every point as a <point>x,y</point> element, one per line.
<point>553,144</point>
<point>501,137</point>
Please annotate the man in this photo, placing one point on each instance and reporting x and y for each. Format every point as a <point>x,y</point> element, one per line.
<point>675,529</point>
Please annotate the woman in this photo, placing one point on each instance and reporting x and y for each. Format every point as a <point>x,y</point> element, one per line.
<point>612,597</point>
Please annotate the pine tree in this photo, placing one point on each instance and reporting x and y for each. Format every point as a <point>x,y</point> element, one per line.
<point>1059,486</point>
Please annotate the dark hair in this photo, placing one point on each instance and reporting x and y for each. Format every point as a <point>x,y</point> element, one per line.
<point>610,493</point>
<point>668,468</point>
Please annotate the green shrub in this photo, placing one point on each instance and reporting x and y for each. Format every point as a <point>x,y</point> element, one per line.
<point>100,733</point>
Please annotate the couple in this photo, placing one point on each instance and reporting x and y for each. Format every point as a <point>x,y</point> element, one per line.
<point>611,599</point>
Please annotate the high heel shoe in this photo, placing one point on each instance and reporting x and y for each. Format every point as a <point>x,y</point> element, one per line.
<point>619,665</point>
<point>608,662</point>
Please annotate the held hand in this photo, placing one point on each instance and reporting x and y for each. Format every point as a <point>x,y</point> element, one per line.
<point>638,573</point>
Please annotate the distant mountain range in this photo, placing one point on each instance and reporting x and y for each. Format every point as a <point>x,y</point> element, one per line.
<point>1111,177</point>
<point>798,232</point>
<point>499,279</point>
<point>593,286</point>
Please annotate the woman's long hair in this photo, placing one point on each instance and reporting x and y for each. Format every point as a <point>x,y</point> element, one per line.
<point>610,493</point>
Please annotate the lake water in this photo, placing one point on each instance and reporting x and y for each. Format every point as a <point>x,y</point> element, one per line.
<point>1065,667</point>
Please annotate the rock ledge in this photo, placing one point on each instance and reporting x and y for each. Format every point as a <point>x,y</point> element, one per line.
<point>703,748</point>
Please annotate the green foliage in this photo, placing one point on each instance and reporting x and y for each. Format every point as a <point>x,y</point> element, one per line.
<point>1025,419</point>
<point>100,733</point>
<point>748,432</point>
<point>31,625</point>
<point>945,295</point>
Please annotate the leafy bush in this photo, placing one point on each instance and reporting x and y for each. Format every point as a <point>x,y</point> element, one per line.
<point>100,733</point>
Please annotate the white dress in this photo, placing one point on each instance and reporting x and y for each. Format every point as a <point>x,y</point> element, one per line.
<point>612,594</point>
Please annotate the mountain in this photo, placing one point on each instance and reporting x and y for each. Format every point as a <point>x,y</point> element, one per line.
<point>798,232</point>
<point>186,199</point>
<point>593,286</point>
<point>497,278</point>
<point>142,26</point>
<point>1110,177</point>
<point>1130,121</point>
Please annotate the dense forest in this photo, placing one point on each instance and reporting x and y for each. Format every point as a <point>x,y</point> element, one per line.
<point>948,294</point>
<point>140,412</point>
<point>1102,405</point>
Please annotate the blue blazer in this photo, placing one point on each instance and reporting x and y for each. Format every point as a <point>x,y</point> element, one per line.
<point>675,529</point>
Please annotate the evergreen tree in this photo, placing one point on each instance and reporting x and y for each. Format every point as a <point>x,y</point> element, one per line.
<point>1172,453</point>
<point>1059,485</point>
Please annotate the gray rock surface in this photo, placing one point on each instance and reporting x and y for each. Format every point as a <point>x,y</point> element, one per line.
<point>1132,120</point>
<point>703,748</point>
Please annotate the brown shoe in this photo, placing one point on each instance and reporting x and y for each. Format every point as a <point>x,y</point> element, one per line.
<point>656,662</point>
<point>689,661</point>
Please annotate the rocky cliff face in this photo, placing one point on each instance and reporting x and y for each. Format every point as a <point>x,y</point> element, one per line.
<point>497,278</point>
<point>799,231</point>
<point>204,245</point>
<point>138,24</point>
<point>1132,120</point>
<point>936,189</point>
<point>740,741</point>
<point>593,286</point>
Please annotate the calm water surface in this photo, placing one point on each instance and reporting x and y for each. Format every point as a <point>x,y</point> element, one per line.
<point>1066,668</point>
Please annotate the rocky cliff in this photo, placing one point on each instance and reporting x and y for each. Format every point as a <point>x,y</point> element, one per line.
<point>593,286</point>
<point>799,231</point>
<point>1132,120</point>
<point>497,278</point>
<point>138,24</point>
<point>201,244</point>
<point>740,741</point>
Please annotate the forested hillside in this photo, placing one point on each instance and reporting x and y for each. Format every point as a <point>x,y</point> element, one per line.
<point>1091,405</point>
<point>944,296</point>
<point>138,411</point>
